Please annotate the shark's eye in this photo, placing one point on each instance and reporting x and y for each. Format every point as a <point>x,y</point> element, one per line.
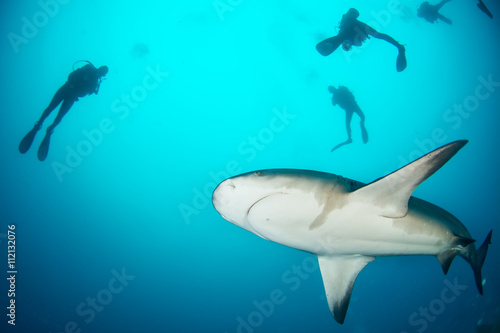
<point>256,173</point>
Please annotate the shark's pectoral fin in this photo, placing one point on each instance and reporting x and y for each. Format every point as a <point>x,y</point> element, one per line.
<point>392,192</point>
<point>339,274</point>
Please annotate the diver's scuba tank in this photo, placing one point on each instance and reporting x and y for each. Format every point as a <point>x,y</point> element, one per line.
<point>352,14</point>
<point>99,80</point>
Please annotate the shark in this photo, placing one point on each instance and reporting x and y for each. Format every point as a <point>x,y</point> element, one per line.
<point>346,223</point>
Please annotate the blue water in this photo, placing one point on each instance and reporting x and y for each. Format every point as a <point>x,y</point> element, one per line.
<point>115,231</point>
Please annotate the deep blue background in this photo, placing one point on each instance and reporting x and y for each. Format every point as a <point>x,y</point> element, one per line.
<point>136,200</point>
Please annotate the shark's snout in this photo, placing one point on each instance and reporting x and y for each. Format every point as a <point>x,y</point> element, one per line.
<point>223,189</point>
<point>222,195</point>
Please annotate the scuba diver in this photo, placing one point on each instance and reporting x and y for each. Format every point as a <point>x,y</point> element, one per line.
<point>81,82</point>
<point>354,32</point>
<point>431,12</point>
<point>483,7</point>
<point>345,99</point>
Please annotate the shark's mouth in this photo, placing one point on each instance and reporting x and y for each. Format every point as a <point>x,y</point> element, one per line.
<point>265,197</point>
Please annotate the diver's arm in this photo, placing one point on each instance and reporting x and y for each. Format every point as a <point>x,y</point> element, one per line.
<point>96,91</point>
<point>94,83</point>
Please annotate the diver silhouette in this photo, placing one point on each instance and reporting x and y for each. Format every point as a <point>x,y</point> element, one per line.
<point>81,82</point>
<point>345,99</point>
<point>484,9</point>
<point>431,12</point>
<point>354,32</point>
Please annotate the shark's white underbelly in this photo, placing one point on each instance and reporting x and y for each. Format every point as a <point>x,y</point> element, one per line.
<point>353,229</point>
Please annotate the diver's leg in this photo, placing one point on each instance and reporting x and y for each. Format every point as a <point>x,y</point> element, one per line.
<point>361,117</point>
<point>374,33</point>
<point>58,98</point>
<point>401,59</point>
<point>360,113</point>
<point>66,105</point>
<point>348,118</point>
<point>364,133</point>
<point>444,19</point>
<point>43,150</point>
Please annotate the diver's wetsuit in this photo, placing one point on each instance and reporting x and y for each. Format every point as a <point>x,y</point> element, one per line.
<point>354,32</point>
<point>431,12</point>
<point>84,81</point>
<point>345,99</point>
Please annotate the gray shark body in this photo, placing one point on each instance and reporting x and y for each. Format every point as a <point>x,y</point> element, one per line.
<point>347,224</point>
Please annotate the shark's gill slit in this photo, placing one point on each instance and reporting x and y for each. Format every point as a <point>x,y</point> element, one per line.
<point>256,202</point>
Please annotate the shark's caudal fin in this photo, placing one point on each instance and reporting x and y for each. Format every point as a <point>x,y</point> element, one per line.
<point>468,252</point>
<point>392,192</point>
<point>339,274</point>
<point>478,262</point>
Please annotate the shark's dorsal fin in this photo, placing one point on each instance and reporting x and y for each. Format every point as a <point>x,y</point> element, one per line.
<point>392,192</point>
<point>339,274</point>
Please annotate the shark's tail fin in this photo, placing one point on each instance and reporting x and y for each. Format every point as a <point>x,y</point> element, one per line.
<point>468,251</point>
<point>478,261</point>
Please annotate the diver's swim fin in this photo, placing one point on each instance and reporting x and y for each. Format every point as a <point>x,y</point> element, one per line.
<point>401,61</point>
<point>26,142</point>
<point>340,145</point>
<point>482,6</point>
<point>44,147</point>
<point>445,19</point>
<point>329,45</point>
<point>364,134</point>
